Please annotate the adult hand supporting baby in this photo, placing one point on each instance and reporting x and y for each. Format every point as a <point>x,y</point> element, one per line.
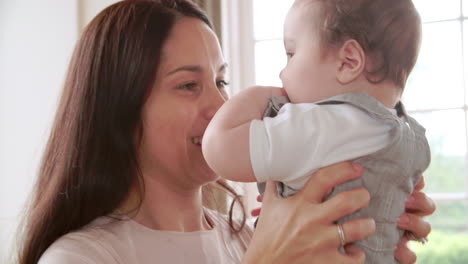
<point>417,205</point>
<point>301,229</point>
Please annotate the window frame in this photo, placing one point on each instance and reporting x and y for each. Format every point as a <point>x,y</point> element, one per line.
<point>239,47</point>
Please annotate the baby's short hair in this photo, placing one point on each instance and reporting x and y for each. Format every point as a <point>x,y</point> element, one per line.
<point>389,31</point>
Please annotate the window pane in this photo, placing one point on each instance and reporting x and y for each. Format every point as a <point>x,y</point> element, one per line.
<point>450,216</point>
<point>436,80</point>
<point>269,17</point>
<point>448,241</point>
<point>465,49</point>
<point>433,10</point>
<point>445,131</point>
<point>270,59</point>
<point>465,7</point>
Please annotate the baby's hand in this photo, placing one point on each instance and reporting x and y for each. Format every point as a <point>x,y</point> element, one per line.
<point>276,92</point>
<point>264,92</point>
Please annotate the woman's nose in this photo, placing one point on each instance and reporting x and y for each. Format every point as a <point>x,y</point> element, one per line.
<point>214,100</point>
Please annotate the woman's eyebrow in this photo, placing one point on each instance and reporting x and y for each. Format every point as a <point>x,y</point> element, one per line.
<point>191,68</point>
<point>195,68</point>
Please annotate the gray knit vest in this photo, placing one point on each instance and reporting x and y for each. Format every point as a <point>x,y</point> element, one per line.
<point>390,174</point>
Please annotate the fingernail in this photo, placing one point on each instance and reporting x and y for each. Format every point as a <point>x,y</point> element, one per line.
<point>371,223</point>
<point>357,167</point>
<point>403,220</point>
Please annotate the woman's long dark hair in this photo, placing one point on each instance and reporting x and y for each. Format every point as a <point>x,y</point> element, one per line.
<point>90,161</point>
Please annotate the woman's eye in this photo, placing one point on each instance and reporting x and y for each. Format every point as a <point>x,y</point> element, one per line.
<point>289,55</point>
<point>221,84</point>
<point>190,86</point>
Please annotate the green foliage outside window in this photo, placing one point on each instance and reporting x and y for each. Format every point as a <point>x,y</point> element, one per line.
<point>443,248</point>
<point>448,242</point>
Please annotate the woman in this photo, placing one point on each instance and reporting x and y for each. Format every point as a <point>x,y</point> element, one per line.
<point>122,175</point>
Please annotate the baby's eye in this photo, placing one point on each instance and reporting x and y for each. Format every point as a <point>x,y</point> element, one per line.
<point>289,55</point>
<point>221,84</point>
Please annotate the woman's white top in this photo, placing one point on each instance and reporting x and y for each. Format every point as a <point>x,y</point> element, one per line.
<point>108,240</point>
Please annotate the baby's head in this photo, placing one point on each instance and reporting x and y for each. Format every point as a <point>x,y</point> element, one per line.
<point>331,44</point>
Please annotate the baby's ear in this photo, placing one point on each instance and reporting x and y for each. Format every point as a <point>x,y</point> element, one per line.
<point>351,61</point>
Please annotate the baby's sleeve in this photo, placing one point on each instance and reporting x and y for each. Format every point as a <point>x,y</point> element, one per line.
<point>305,137</point>
<point>277,146</point>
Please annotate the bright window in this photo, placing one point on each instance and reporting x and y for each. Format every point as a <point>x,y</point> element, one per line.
<point>436,95</point>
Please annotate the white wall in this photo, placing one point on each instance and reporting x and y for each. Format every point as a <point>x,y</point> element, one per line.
<point>90,8</point>
<point>36,42</point>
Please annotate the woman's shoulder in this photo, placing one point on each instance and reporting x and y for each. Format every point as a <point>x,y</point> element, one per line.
<point>97,242</point>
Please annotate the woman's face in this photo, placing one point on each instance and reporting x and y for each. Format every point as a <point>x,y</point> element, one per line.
<point>189,89</point>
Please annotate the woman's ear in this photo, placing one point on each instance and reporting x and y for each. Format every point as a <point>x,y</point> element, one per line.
<point>351,61</point>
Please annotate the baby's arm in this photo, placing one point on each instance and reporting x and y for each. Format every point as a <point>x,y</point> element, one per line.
<point>226,140</point>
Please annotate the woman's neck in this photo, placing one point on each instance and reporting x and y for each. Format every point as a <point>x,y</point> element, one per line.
<point>170,209</point>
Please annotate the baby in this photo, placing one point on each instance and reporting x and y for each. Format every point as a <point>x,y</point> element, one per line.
<point>348,63</point>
